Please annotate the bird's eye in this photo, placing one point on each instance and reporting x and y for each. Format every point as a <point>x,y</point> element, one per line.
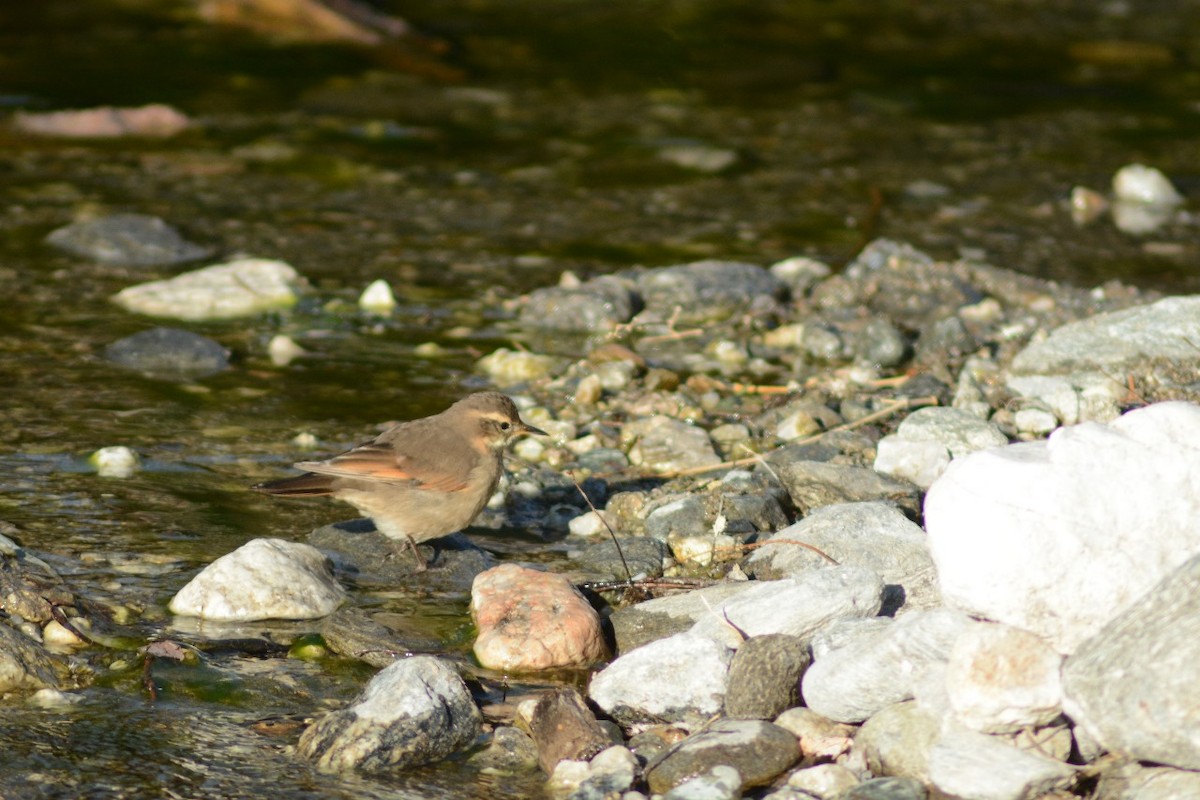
<point>505,426</point>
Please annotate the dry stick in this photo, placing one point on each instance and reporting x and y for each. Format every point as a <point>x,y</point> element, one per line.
<point>611,532</point>
<point>899,405</point>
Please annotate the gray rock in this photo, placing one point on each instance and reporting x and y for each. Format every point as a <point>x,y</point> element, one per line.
<point>886,789</point>
<point>677,515</point>
<point>879,343</point>
<point>764,678</point>
<point>1135,685</point>
<point>353,633</point>
<point>758,750</point>
<point>509,750</point>
<point>636,625</point>
<point>372,560</point>
<point>25,664</point>
<point>1132,781</point>
<point>169,353</point>
<point>665,444</point>
<point>796,606</point>
<point>642,555</point>
<point>680,678</point>
<point>262,579</point>
<point>964,763</point>
<point>597,306</point>
<point>824,781</point>
<point>852,683</point>
<point>812,484</point>
<point>707,291</point>
<point>896,740</point>
<point>128,239</point>
<point>873,535</point>
<point>413,712</point>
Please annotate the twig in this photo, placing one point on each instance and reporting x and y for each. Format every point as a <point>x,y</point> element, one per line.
<point>883,413</point>
<point>611,532</point>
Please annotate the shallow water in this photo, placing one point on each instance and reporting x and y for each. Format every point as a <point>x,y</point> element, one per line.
<point>533,144</point>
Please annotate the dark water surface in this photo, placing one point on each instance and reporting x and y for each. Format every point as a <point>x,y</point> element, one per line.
<point>519,139</point>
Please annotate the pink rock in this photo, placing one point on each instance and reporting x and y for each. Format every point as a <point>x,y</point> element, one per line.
<point>531,620</point>
<point>155,120</point>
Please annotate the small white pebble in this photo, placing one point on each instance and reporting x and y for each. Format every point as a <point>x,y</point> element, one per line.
<point>283,351</point>
<point>589,524</point>
<point>1141,184</point>
<point>115,462</point>
<point>56,635</point>
<point>377,298</point>
<point>305,441</point>
<point>53,698</point>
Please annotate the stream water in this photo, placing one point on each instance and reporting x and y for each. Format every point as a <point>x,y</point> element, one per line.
<point>521,139</point>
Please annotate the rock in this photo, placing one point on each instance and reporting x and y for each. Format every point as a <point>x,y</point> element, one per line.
<point>262,579</point>
<point>664,444</point>
<point>823,781</point>
<point>153,121</point>
<point>1132,781</point>
<point>169,353</point>
<point>896,740</point>
<point>698,157</point>
<point>369,558</point>
<point>758,750</point>
<point>680,678</point>
<point>597,306</point>
<point>413,712</point>
<point>796,606</point>
<point>800,273</point>
<point>907,453</point>
<point>126,239</point>
<point>532,620</point>
<point>642,555</point>
<point>874,535</point>
<point>1079,370</point>
<point>25,664</point>
<point>881,668</point>
<point>510,750</point>
<point>812,484</point>
<point>353,633</point>
<point>820,737</point>
<point>609,773</point>
<point>648,621</point>
<point>719,783</point>
<point>764,677</point>
<point>115,462</point>
<point>1001,679</point>
<point>964,763</point>
<point>377,298</point>
<point>1135,684</point>
<point>1138,183</point>
<point>886,789</point>
<point>706,291</point>
<point>563,728</point>
<point>506,367</point>
<point>1058,537</point>
<point>240,288</point>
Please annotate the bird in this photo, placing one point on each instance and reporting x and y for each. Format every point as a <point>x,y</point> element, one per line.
<point>422,479</point>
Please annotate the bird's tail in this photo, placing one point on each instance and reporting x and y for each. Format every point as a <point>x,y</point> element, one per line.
<point>307,485</point>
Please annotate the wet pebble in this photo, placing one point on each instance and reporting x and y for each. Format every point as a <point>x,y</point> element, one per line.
<point>532,620</point>
<point>262,579</point>
<point>126,239</point>
<point>169,353</point>
<point>416,711</point>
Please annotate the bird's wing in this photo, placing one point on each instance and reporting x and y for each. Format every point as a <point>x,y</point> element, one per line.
<point>379,461</point>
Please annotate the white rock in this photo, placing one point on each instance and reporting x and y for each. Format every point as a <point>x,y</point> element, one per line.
<point>929,438</point>
<point>918,462</point>
<point>262,579</point>
<point>508,367</point>
<point>377,298</point>
<point>283,350</point>
<point>236,289</point>
<point>797,606</point>
<point>1141,184</point>
<point>680,678</point>
<point>964,763</point>
<point>1035,421</point>
<point>881,668</point>
<point>823,780</point>
<point>1001,679</point>
<point>591,523</point>
<point>115,462</point>
<point>1059,536</point>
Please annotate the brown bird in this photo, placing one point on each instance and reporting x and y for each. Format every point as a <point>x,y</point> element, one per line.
<point>422,479</point>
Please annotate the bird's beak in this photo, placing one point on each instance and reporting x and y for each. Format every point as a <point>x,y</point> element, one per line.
<point>526,428</point>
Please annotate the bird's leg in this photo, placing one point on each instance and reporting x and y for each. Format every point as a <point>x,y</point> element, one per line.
<point>422,564</point>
